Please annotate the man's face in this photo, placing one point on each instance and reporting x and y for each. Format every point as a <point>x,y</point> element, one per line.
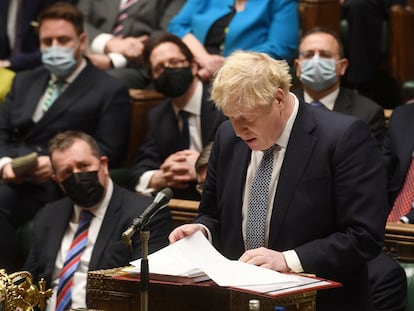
<point>260,128</point>
<point>167,54</point>
<point>76,159</point>
<point>60,32</point>
<point>325,46</point>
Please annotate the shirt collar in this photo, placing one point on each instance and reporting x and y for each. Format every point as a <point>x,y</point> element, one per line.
<point>328,101</point>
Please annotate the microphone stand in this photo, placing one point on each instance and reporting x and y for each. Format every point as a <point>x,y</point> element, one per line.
<point>144,285</point>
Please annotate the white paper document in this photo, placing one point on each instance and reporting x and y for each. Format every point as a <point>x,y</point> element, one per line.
<point>194,255</point>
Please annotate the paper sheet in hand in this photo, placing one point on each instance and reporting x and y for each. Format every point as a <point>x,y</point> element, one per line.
<point>195,254</point>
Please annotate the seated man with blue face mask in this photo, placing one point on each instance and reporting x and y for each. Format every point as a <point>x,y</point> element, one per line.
<point>67,93</point>
<point>319,67</point>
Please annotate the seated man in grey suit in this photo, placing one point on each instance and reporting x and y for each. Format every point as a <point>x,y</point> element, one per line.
<point>165,159</point>
<point>319,67</point>
<point>66,93</point>
<point>118,29</point>
<point>82,173</point>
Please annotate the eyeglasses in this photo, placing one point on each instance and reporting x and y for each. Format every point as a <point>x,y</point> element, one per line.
<point>200,187</point>
<point>171,63</point>
<point>311,53</point>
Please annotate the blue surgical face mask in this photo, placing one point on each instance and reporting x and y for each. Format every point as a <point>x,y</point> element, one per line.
<point>59,60</point>
<point>318,73</point>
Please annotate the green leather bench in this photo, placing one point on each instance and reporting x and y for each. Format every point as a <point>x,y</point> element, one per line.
<point>399,243</point>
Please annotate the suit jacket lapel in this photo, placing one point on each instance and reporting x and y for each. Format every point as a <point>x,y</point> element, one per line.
<point>238,173</point>
<point>208,117</point>
<point>343,103</point>
<point>58,229</point>
<point>106,230</point>
<point>298,153</point>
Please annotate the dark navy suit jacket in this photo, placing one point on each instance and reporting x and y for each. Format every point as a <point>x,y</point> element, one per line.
<point>330,203</point>
<point>94,103</point>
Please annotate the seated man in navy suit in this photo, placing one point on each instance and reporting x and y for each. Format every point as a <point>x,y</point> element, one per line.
<point>166,159</point>
<point>320,185</point>
<point>82,173</point>
<point>66,93</point>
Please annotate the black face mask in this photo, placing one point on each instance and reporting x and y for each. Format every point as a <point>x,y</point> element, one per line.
<point>84,189</point>
<point>174,82</point>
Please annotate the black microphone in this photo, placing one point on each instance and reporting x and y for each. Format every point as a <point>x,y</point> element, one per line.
<point>160,201</point>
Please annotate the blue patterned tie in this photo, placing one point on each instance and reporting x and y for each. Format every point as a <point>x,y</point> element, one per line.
<point>259,201</point>
<point>72,260</point>
<point>185,131</point>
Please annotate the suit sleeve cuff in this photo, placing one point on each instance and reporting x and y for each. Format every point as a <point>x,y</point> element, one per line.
<point>293,262</point>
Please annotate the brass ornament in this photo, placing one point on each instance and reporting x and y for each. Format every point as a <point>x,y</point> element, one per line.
<point>17,292</point>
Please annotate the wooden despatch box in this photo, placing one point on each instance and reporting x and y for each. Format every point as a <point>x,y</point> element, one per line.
<point>108,292</point>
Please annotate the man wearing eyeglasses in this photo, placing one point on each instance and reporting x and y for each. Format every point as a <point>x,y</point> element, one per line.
<point>319,67</point>
<point>180,127</point>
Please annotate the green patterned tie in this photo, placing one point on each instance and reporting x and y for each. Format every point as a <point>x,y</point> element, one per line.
<point>54,89</point>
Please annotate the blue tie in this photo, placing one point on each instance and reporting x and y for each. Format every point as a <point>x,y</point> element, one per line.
<point>317,103</point>
<point>259,201</point>
<point>72,260</point>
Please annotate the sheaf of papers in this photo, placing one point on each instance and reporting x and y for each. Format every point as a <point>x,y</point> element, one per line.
<point>194,255</point>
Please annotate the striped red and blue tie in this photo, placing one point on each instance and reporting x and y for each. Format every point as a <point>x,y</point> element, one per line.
<point>72,260</point>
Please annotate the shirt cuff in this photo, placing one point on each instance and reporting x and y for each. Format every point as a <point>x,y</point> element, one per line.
<point>3,162</point>
<point>118,60</point>
<point>99,43</point>
<point>142,186</point>
<point>209,237</point>
<point>293,262</point>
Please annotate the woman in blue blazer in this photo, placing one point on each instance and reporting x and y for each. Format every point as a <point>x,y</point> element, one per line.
<point>267,26</point>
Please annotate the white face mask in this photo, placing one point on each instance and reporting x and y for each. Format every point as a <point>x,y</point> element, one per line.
<point>318,73</point>
<point>59,60</point>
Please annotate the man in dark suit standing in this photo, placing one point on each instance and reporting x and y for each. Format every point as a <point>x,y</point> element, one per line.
<point>66,93</point>
<point>118,29</point>
<point>82,173</point>
<point>320,66</point>
<point>164,160</point>
<point>323,207</point>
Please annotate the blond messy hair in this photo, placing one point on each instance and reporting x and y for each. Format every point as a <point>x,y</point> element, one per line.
<point>249,79</point>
